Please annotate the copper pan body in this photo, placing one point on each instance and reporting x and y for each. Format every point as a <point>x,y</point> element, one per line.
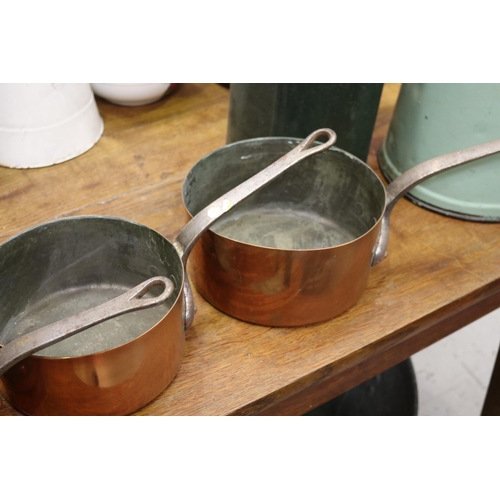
<point>45,270</point>
<point>281,287</point>
<point>117,382</point>
<point>247,274</point>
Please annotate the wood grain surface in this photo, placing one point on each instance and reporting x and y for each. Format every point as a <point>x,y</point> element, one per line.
<point>439,275</point>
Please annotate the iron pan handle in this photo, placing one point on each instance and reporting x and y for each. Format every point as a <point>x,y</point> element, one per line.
<point>415,175</point>
<point>37,340</point>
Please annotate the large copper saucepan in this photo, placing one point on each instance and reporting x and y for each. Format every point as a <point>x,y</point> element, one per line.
<point>61,268</point>
<point>302,253</point>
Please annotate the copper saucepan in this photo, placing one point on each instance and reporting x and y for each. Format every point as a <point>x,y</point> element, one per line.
<point>302,253</point>
<point>64,267</point>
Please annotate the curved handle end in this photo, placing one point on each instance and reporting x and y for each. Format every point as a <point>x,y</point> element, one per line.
<point>314,136</point>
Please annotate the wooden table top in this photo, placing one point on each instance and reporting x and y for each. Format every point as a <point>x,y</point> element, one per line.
<point>439,275</point>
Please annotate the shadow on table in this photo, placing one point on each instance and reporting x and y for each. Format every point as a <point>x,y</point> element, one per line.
<point>393,392</point>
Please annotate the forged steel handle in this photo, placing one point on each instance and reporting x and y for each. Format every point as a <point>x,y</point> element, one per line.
<point>130,301</point>
<point>195,228</point>
<point>415,175</point>
<point>203,220</point>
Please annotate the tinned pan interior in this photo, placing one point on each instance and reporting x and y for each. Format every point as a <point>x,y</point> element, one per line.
<point>333,186</point>
<point>54,261</point>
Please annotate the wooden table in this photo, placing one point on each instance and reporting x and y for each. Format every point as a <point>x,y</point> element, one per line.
<point>440,273</point>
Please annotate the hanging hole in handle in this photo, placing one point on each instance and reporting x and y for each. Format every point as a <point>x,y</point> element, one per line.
<point>314,136</point>
<point>168,288</point>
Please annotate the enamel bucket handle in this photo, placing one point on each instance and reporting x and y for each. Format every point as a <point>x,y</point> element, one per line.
<point>195,228</point>
<point>415,175</point>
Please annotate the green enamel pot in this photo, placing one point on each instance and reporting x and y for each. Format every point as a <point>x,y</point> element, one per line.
<point>432,119</point>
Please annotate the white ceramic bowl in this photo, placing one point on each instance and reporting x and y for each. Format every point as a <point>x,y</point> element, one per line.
<point>42,124</point>
<point>130,94</point>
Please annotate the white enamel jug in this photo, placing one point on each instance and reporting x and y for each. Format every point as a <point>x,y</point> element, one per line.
<point>42,124</point>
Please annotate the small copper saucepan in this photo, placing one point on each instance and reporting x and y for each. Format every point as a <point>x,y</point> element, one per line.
<point>62,268</point>
<point>298,252</point>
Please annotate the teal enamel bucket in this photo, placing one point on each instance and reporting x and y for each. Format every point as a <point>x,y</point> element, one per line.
<point>432,119</point>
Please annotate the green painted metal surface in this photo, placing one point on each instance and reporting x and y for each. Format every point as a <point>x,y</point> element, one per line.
<point>296,109</point>
<point>431,119</point>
